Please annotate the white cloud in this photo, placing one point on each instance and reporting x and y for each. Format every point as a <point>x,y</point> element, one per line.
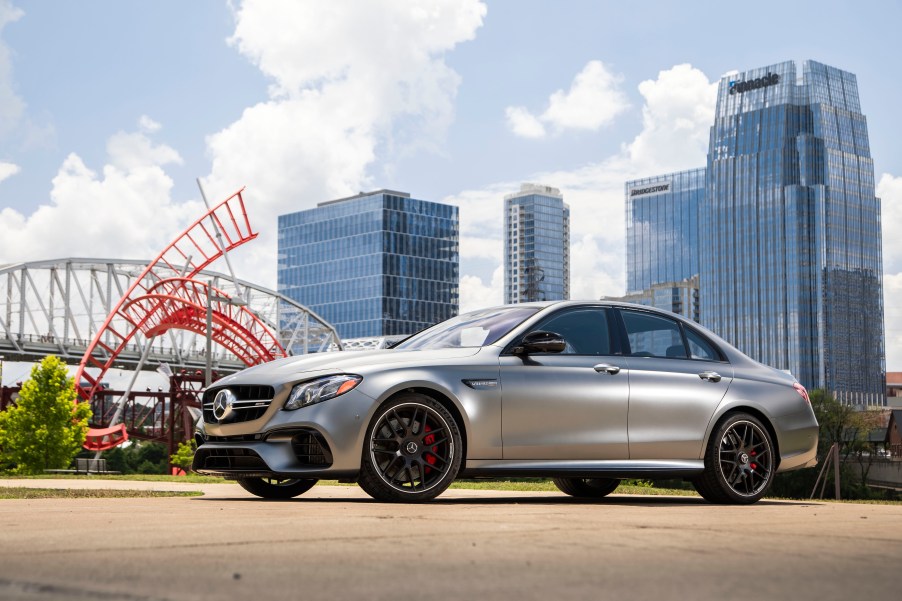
<point>523,123</point>
<point>682,94</point>
<point>889,189</point>
<point>350,81</point>
<point>125,211</point>
<point>474,294</point>
<point>676,118</point>
<point>593,100</point>
<point>11,106</point>
<point>132,151</point>
<point>8,170</point>
<point>147,125</point>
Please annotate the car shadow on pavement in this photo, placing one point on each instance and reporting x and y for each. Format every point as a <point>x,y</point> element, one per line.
<point>626,500</point>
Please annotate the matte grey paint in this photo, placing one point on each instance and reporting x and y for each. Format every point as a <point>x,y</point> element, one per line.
<point>551,414</point>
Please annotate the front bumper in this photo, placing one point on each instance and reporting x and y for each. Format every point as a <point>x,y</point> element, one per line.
<point>301,453</point>
<point>320,441</point>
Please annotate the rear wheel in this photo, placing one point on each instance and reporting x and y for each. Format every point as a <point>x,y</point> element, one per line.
<point>412,450</point>
<point>275,488</point>
<point>587,488</point>
<point>739,462</point>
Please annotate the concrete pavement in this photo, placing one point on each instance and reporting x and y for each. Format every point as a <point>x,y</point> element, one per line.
<point>336,543</point>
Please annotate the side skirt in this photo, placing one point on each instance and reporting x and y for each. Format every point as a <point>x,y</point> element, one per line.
<point>619,468</point>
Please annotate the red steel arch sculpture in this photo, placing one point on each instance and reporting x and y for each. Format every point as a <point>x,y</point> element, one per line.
<point>154,304</point>
<point>181,303</point>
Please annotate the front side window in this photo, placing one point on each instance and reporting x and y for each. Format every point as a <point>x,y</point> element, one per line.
<point>585,331</point>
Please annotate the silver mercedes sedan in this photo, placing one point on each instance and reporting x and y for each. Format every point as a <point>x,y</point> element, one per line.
<point>586,393</point>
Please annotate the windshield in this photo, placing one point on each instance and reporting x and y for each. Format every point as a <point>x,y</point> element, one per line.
<point>479,328</point>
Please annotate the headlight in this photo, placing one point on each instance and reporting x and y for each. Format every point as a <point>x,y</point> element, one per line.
<point>321,389</point>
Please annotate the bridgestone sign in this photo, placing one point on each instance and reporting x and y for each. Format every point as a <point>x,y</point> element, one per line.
<point>650,190</point>
<point>740,87</point>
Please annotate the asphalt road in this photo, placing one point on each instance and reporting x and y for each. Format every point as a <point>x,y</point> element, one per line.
<point>335,543</point>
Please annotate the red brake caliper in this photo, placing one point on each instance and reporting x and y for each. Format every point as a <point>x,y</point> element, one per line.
<point>754,466</point>
<point>430,459</point>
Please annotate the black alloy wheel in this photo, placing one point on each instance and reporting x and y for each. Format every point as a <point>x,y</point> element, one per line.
<point>587,488</point>
<point>412,450</point>
<point>275,488</point>
<point>739,462</point>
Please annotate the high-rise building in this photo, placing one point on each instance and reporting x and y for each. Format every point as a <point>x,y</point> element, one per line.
<point>376,264</point>
<point>662,229</point>
<point>788,243</point>
<point>536,245</point>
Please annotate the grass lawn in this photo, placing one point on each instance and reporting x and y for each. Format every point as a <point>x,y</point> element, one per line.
<point>18,492</point>
<point>190,478</point>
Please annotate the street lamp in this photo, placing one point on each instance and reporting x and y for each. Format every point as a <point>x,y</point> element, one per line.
<point>235,302</point>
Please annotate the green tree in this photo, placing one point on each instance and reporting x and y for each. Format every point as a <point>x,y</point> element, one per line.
<point>151,458</point>
<point>184,456</point>
<point>46,428</point>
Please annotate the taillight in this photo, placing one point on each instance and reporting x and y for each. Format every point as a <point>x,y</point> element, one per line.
<point>801,390</point>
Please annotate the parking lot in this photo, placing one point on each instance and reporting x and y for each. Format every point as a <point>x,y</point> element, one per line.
<point>336,543</point>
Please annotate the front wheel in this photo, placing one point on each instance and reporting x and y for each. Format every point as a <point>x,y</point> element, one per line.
<point>275,488</point>
<point>739,462</point>
<point>587,488</point>
<point>412,450</point>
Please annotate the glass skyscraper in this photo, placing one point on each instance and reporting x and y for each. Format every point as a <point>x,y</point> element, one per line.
<point>791,265</point>
<point>376,264</point>
<point>789,239</point>
<point>662,229</point>
<point>536,245</point>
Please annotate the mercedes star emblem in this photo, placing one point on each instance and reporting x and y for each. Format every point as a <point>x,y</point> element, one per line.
<point>223,404</point>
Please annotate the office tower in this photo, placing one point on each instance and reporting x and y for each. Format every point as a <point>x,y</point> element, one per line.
<point>536,245</point>
<point>662,229</point>
<point>788,243</point>
<point>376,264</point>
<point>789,232</point>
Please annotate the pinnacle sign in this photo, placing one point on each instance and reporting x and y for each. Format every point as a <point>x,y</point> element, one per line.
<point>740,87</point>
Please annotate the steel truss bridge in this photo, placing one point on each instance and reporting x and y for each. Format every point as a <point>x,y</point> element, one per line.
<point>58,306</point>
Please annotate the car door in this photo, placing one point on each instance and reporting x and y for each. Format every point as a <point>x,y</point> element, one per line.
<point>677,378</point>
<point>568,405</point>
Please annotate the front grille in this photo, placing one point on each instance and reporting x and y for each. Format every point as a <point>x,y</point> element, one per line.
<point>310,450</point>
<point>252,402</point>
<point>237,438</point>
<point>231,459</point>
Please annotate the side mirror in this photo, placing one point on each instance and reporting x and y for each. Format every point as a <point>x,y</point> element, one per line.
<point>540,342</point>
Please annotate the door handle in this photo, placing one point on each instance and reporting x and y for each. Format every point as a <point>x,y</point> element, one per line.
<point>711,376</point>
<point>607,368</point>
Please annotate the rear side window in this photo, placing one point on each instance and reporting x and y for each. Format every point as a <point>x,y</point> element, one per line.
<point>699,348</point>
<point>585,330</point>
<point>653,336</point>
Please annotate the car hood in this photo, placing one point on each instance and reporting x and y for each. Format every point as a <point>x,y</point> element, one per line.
<point>295,368</point>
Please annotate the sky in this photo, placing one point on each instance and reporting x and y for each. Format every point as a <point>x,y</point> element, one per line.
<point>110,110</point>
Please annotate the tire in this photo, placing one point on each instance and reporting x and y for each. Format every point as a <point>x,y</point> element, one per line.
<point>587,488</point>
<point>412,450</point>
<point>274,488</point>
<point>739,462</point>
